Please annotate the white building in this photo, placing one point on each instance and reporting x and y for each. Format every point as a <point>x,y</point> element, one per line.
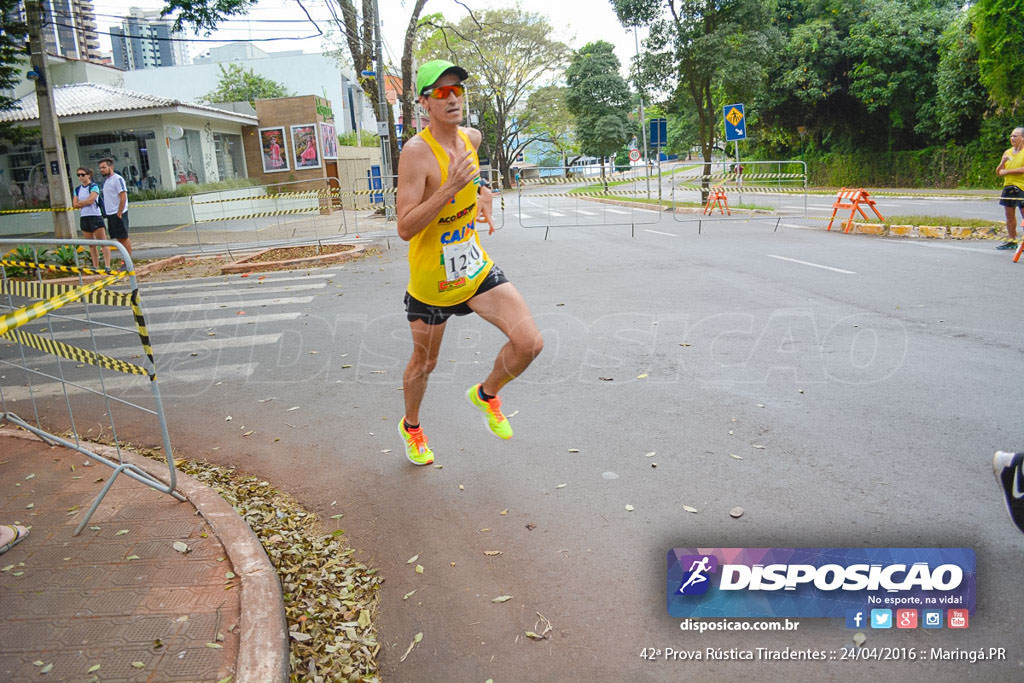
<point>300,73</point>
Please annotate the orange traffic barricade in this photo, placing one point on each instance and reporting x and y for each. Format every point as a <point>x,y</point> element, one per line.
<point>1020,248</point>
<point>717,198</point>
<point>853,199</point>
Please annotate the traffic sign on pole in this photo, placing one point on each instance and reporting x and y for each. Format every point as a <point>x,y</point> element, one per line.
<point>634,155</point>
<point>735,122</point>
<point>659,132</point>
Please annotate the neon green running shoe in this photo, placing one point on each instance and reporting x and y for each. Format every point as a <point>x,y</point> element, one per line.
<point>416,448</point>
<point>493,417</point>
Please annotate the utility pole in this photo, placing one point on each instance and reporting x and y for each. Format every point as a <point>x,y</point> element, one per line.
<point>643,128</point>
<point>383,117</point>
<point>54,164</point>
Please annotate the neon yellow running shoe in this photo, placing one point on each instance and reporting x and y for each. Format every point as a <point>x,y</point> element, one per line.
<point>416,448</point>
<point>493,417</point>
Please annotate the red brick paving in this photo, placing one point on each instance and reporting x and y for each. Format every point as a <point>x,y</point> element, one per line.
<point>79,601</point>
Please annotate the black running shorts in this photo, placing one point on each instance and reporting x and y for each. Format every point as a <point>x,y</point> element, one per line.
<point>437,315</point>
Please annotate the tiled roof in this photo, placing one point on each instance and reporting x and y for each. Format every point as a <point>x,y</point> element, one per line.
<point>81,99</point>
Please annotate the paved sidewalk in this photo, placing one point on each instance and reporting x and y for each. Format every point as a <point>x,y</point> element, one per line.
<point>118,602</point>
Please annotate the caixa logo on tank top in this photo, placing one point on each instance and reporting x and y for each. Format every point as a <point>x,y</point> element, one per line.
<point>815,582</point>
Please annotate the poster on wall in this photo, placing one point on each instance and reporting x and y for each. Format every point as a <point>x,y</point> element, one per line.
<point>306,146</point>
<point>275,151</point>
<point>330,139</point>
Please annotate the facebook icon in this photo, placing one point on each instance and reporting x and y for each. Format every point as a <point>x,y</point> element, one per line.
<point>854,618</point>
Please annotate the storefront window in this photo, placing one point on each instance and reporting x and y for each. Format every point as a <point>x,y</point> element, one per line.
<point>130,152</point>
<point>229,155</point>
<point>23,182</point>
<point>187,158</point>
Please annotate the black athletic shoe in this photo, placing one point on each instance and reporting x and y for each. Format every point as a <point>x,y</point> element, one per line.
<point>1009,471</point>
<point>1007,245</point>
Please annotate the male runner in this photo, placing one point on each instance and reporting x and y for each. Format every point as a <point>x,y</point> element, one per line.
<point>449,272</point>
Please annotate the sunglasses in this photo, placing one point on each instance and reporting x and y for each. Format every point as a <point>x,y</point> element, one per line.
<point>82,175</point>
<point>442,92</point>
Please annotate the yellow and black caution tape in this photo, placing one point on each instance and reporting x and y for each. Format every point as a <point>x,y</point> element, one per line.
<point>40,209</point>
<point>383,190</point>
<point>74,353</point>
<point>140,325</point>
<point>46,290</point>
<point>306,194</point>
<point>262,214</point>
<point>27,314</point>
<point>54,268</point>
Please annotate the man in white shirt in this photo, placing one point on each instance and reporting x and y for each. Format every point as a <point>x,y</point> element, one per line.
<point>115,203</point>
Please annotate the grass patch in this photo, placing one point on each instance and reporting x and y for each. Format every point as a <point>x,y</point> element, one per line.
<point>949,221</point>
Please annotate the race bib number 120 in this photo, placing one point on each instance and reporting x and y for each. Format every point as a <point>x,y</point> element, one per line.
<point>464,259</point>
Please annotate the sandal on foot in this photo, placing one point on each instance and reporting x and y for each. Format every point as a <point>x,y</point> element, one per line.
<point>10,536</point>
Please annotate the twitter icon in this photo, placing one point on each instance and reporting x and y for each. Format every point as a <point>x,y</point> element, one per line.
<point>881,618</point>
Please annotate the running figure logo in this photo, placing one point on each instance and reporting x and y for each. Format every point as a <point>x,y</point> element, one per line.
<point>696,579</point>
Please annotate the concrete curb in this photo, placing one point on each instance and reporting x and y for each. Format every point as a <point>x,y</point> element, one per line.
<point>247,266</point>
<point>263,648</point>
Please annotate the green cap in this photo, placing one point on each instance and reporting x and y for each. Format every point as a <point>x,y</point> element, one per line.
<point>430,72</point>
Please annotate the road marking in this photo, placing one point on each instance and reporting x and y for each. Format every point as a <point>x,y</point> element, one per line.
<point>556,214</point>
<point>221,282</point>
<point>658,232</point>
<point>795,225</point>
<point>991,252</point>
<point>814,265</point>
<point>79,337</point>
<point>124,383</point>
<point>193,345</point>
<point>587,213</point>
<point>239,303</point>
<point>225,292</point>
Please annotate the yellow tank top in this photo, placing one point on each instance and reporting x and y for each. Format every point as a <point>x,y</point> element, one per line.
<point>446,262</point>
<point>1016,161</point>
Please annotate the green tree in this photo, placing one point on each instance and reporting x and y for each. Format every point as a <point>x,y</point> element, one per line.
<point>600,100</point>
<point>240,84</point>
<point>508,53</point>
<point>705,47</point>
<point>895,49</point>
<point>204,15</point>
<point>998,27</point>
<point>13,37</point>
<point>552,123</point>
<point>960,100</point>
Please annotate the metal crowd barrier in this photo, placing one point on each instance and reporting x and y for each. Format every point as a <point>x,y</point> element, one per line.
<point>576,196</point>
<point>69,358</point>
<point>778,186</point>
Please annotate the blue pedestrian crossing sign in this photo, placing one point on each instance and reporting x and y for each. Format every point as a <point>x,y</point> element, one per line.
<point>735,122</point>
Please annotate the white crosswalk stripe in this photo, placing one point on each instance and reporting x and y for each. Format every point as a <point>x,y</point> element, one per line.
<point>175,314</point>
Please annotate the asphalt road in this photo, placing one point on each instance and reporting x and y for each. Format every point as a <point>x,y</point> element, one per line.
<point>843,390</point>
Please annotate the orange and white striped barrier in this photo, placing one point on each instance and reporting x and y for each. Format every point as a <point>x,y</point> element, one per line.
<point>853,199</point>
<point>718,198</point>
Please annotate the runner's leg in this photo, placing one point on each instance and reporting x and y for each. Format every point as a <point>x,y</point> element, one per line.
<point>505,308</point>
<point>426,344</point>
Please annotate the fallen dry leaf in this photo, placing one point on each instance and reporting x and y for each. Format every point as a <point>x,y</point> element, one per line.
<point>690,508</point>
<point>492,553</point>
<point>502,598</point>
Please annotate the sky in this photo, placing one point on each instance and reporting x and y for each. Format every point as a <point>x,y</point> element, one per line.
<point>575,22</point>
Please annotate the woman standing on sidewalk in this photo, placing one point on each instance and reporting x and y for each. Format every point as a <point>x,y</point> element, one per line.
<point>91,220</point>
